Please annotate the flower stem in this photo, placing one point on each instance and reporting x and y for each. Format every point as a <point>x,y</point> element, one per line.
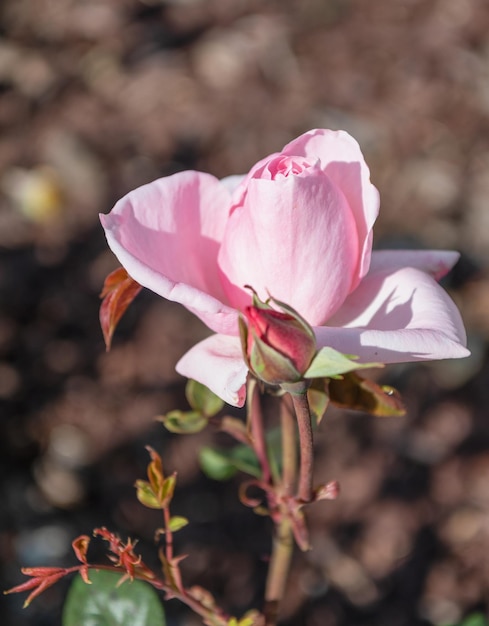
<point>289,443</point>
<point>168,535</point>
<point>255,420</point>
<point>303,414</point>
<point>282,542</point>
<point>278,570</point>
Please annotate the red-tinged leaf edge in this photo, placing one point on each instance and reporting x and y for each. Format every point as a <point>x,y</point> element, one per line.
<point>118,292</point>
<point>84,575</point>
<point>80,547</point>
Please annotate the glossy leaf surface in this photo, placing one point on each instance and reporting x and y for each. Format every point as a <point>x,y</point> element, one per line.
<point>103,603</point>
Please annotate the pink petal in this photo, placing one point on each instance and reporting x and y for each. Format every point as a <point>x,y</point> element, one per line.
<point>435,262</point>
<point>397,316</point>
<point>293,238</point>
<point>167,236</point>
<point>342,159</point>
<point>256,171</point>
<point>217,362</point>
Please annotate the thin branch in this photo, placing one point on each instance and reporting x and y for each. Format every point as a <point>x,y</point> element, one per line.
<point>278,571</point>
<point>283,543</point>
<point>255,419</point>
<point>289,445</point>
<point>303,414</point>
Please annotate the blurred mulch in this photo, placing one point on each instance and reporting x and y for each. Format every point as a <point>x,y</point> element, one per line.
<point>98,97</point>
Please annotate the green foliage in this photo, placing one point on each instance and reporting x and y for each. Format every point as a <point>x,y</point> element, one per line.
<point>354,392</point>
<point>205,404</point>
<point>177,522</point>
<point>184,422</point>
<point>475,619</point>
<point>202,399</point>
<point>223,463</point>
<point>318,399</point>
<point>146,496</point>
<point>103,603</point>
<point>329,363</point>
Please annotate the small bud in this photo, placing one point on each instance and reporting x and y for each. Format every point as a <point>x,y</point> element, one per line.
<point>278,346</point>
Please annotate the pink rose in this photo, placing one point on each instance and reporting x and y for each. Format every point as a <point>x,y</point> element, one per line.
<point>279,347</point>
<point>298,227</point>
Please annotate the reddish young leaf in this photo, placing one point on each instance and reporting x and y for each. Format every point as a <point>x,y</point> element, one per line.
<point>45,584</point>
<point>118,292</point>
<point>32,583</point>
<point>84,574</point>
<point>124,556</point>
<point>44,577</point>
<point>42,572</point>
<point>80,547</point>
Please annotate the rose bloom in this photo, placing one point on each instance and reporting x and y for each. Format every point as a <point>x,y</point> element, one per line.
<point>297,227</point>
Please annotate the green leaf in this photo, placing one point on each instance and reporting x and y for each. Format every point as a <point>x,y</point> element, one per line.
<point>354,392</point>
<point>244,459</point>
<point>202,399</point>
<point>104,604</point>
<point>223,463</point>
<point>318,399</point>
<point>184,422</point>
<point>215,464</point>
<point>146,495</point>
<point>167,490</point>
<point>329,363</point>
<point>177,522</point>
<point>475,619</point>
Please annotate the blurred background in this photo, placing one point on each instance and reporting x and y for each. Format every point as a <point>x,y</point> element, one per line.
<point>100,96</point>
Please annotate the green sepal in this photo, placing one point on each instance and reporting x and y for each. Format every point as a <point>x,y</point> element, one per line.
<point>243,336</point>
<point>270,365</point>
<point>329,363</point>
<point>256,302</point>
<point>304,324</point>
